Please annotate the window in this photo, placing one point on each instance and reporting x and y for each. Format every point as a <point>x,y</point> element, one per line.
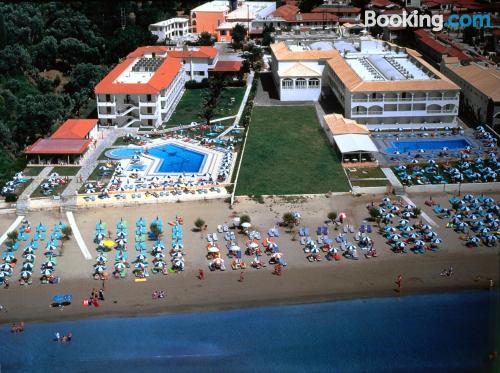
<point>150,122</point>
<point>108,110</point>
<point>199,73</point>
<point>149,110</point>
<point>148,98</point>
<point>301,83</point>
<point>108,98</point>
<point>313,83</point>
<point>287,84</point>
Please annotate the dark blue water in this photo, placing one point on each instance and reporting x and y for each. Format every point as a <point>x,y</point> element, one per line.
<point>424,333</point>
<point>427,144</point>
<point>173,158</point>
<point>177,159</point>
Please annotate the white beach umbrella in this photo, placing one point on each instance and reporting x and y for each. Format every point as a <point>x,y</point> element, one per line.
<point>5,267</point>
<point>47,272</point>
<point>30,257</point>
<point>234,248</point>
<point>246,225</point>
<point>140,266</point>
<point>120,266</point>
<point>26,274</point>
<point>100,268</point>
<point>28,266</point>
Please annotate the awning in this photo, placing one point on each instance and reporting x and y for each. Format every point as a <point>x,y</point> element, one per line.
<point>58,146</point>
<point>355,143</point>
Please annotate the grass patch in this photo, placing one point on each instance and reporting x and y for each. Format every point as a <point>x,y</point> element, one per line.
<point>370,183</point>
<point>288,153</point>
<point>9,166</point>
<point>33,171</point>
<point>365,173</point>
<point>190,105</point>
<point>103,157</point>
<point>122,141</point>
<point>56,190</point>
<point>66,171</point>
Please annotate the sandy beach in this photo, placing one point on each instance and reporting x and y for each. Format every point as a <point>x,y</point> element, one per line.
<point>301,282</point>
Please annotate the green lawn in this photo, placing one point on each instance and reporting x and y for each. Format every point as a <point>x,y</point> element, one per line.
<point>66,171</point>
<point>288,153</point>
<point>369,183</point>
<point>33,170</point>
<point>190,105</point>
<point>365,173</point>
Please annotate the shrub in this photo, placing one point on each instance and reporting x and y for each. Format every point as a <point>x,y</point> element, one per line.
<point>199,223</point>
<point>10,197</point>
<point>245,219</point>
<point>332,215</point>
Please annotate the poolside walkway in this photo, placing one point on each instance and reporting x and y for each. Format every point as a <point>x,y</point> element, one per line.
<point>89,164</point>
<point>35,183</point>
<point>393,179</point>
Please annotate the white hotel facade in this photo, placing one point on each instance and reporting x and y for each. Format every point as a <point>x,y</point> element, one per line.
<point>377,83</point>
<point>143,90</point>
<point>170,29</point>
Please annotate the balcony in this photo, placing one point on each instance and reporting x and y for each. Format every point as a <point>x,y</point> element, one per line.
<point>126,109</point>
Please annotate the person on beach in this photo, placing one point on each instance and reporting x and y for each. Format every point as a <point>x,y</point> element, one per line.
<point>201,274</point>
<point>242,277</point>
<point>399,282</point>
<point>101,294</point>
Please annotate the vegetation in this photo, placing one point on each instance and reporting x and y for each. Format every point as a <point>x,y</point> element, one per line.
<point>12,236</point>
<point>375,214</point>
<point>288,153</point>
<point>288,220</point>
<point>332,216</point>
<point>238,35</point>
<point>51,56</point>
<point>245,219</point>
<point>199,223</point>
<point>155,230</point>
<point>66,233</point>
<point>66,171</point>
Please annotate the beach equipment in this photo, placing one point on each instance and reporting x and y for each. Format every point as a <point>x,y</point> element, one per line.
<point>6,267</point>
<point>120,266</point>
<point>9,257</point>
<point>28,266</point>
<point>246,225</point>
<point>234,248</point>
<point>100,268</point>
<point>140,266</point>
<point>101,259</point>
<point>26,274</point>
<point>46,272</point>
<point>30,257</point>
<point>109,244</point>
<point>177,255</point>
<point>213,249</point>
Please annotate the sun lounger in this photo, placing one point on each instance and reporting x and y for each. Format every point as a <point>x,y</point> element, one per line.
<point>351,229</point>
<point>227,236</point>
<point>320,240</point>
<point>319,231</point>
<point>345,229</point>
<point>219,228</point>
<point>324,230</point>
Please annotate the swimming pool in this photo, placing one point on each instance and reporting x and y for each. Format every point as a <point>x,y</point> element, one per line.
<point>404,146</point>
<point>172,158</point>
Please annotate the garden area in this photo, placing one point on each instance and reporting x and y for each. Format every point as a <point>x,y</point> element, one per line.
<point>366,176</point>
<point>288,153</point>
<point>189,108</point>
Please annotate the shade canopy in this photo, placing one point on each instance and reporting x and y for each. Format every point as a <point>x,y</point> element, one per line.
<point>355,143</point>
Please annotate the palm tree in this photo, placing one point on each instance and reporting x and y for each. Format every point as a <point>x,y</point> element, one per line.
<point>245,219</point>
<point>12,236</point>
<point>155,230</point>
<point>66,235</point>
<point>375,214</point>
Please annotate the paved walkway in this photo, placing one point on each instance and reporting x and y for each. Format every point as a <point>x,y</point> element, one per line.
<point>35,183</point>
<point>187,126</point>
<point>393,179</point>
<point>89,164</point>
<point>424,214</point>
<point>78,237</point>
<point>13,226</point>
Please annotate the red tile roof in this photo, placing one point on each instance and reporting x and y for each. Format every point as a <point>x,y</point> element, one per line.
<point>74,129</point>
<point>161,78</point>
<point>200,52</point>
<point>286,11</point>
<point>425,38</point>
<point>58,146</point>
<point>318,17</point>
<point>382,3</point>
<point>333,9</point>
<point>227,66</point>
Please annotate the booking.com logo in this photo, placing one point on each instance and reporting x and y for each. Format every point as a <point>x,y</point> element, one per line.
<point>434,21</point>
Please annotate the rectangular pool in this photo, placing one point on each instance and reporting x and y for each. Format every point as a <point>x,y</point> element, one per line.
<point>404,146</point>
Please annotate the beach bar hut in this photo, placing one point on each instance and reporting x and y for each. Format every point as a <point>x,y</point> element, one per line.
<point>351,139</point>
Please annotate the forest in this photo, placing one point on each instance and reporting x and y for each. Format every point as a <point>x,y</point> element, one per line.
<point>51,56</point>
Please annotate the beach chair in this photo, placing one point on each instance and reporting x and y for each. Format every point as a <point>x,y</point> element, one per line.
<point>351,229</point>
<point>319,231</point>
<point>219,228</point>
<point>306,231</point>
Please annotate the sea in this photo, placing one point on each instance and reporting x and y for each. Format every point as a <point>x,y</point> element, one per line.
<point>451,332</point>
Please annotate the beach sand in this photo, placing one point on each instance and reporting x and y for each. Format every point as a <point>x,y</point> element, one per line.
<point>301,282</point>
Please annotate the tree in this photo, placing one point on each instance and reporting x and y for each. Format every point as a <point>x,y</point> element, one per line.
<point>416,211</point>
<point>45,53</point>
<point>238,34</point>
<point>155,230</point>
<point>207,113</point>
<point>66,233</point>
<point>306,6</point>
<point>14,59</point>
<point>205,39</point>
<point>199,223</point>
<point>12,236</point>
<point>288,220</point>
<point>72,51</point>
<point>3,31</point>
<point>267,37</point>
<point>375,214</point>
<point>245,219</point>
<point>332,216</point>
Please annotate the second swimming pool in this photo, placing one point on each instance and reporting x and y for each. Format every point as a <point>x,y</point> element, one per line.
<point>404,146</point>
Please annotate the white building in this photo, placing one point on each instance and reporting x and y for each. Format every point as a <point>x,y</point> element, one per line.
<point>196,61</point>
<point>171,29</point>
<point>377,83</point>
<point>142,90</point>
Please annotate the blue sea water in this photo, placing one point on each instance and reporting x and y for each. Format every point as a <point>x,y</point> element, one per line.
<point>421,333</point>
<point>173,158</point>
<point>404,146</point>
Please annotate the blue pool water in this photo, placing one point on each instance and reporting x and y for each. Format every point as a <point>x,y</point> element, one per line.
<point>404,146</point>
<point>173,158</point>
<point>422,333</point>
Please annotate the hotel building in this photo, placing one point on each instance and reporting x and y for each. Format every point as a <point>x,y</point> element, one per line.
<point>376,83</point>
<point>170,29</point>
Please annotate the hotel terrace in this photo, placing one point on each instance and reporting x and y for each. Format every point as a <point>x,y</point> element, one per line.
<point>377,83</point>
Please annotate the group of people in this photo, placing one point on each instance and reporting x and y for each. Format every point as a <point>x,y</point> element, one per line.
<point>95,297</point>
<point>17,328</point>
<point>159,294</point>
<point>63,338</point>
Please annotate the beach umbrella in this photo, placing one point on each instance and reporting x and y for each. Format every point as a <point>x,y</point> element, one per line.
<point>26,274</point>
<point>407,229</point>
<point>9,258</point>
<point>48,264</point>
<point>121,242</point>
<point>403,222</point>
<point>2,275</point>
<point>419,243</point>
<point>120,266</point>
<point>426,227</point>
<point>314,250</point>
<point>160,264</point>
<point>413,236</point>
<point>468,197</point>
<point>159,255</point>
<point>28,250</point>
<point>407,215</point>
<point>253,245</point>
<point>436,241</point>
<point>246,225</point>
<point>109,244</point>
<point>401,245</point>
<point>213,249</point>
<point>140,266</point>
<point>28,266</point>
<point>395,237</point>
<point>177,263</point>
<point>47,272</point>
<point>350,247</point>
<point>343,216</point>
<point>100,268</point>
<point>5,267</point>
<point>177,255</point>
<point>414,161</point>
<point>389,228</point>
<point>101,259</point>
<point>237,248</point>
<point>30,257</point>
<point>141,257</point>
